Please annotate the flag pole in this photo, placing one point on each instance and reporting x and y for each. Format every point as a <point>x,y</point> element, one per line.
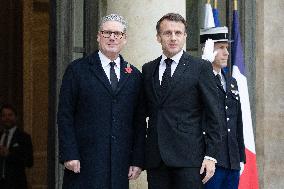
<point>235,4</point>
<point>215,4</point>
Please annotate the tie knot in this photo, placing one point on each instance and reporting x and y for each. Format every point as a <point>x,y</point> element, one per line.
<point>112,64</point>
<point>168,62</point>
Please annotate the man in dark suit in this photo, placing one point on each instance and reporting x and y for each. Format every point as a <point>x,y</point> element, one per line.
<point>100,141</point>
<point>231,155</point>
<point>16,151</point>
<point>178,89</point>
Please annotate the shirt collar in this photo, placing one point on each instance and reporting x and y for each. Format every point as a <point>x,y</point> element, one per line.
<point>105,60</point>
<point>215,73</point>
<point>175,58</point>
<point>11,130</point>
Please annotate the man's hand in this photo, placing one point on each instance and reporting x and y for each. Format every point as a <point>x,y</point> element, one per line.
<point>4,151</point>
<point>208,51</point>
<point>134,172</point>
<point>209,166</point>
<point>73,165</point>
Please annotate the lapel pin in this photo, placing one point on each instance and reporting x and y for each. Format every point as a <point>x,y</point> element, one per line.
<point>128,69</point>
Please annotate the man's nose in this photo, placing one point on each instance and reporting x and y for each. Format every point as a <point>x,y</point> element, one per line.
<point>227,52</point>
<point>112,36</point>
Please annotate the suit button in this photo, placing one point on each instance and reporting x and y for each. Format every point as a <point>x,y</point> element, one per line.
<point>113,137</point>
<point>229,130</point>
<point>204,133</point>
<point>226,96</point>
<point>226,107</point>
<point>228,119</point>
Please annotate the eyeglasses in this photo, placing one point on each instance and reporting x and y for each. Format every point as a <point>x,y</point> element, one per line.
<point>107,34</point>
<point>169,33</point>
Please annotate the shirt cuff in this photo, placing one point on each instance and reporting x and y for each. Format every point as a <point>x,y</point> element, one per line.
<point>210,158</point>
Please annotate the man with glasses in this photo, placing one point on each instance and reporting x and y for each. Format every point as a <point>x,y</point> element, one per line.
<point>178,89</point>
<point>101,124</point>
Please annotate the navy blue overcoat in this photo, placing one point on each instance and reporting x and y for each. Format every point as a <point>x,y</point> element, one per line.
<point>104,129</point>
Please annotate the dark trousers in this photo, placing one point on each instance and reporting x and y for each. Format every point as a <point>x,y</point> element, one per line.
<point>224,179</point>
<point>9,184</point>
<point>165,177</point>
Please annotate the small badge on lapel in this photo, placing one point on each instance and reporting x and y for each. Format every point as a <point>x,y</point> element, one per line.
<point>235,92</point>
<point>128,69</point>
<point>232,85</point>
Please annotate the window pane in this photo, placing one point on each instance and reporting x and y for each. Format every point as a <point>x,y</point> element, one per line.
<point>192,17</point>
<point>77,55</point>
<point>78,23</point>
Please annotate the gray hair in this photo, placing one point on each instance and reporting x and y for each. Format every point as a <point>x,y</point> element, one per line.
<point>114,17</point>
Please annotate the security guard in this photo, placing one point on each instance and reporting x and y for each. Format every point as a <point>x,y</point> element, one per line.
<point>231,156</point>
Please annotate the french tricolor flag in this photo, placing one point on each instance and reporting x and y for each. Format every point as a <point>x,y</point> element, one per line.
<point>249,177</point>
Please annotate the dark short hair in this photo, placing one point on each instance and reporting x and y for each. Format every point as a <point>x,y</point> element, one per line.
<point>10,107</point>
<point>172,17</point>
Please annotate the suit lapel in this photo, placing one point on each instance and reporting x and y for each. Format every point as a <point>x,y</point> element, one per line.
<point>227,81</point>
<point>123,75</point>
<point>14,138</point>
<point>178,74</point>
<point>155,68</point>
<point>97,69</point>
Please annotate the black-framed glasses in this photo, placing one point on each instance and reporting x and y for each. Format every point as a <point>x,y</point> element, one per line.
<point>107,34</point>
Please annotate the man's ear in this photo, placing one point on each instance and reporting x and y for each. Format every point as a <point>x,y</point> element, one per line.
<point>125,39</point>
<point>158,38</point>
<point>98,37</point>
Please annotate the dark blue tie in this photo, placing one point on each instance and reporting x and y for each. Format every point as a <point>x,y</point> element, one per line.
<point>166,79</point>
<point>5,141</point>
<point>113,77</point>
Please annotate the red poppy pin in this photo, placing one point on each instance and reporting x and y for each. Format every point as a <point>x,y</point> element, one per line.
<point>128,69</point>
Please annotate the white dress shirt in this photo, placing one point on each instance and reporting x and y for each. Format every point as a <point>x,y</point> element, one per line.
<point>174,65</point>
<point>106,66</point>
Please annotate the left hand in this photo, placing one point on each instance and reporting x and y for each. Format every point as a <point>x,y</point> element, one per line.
<point>134,172</point>
<point>4,152</point>
<point>209,166</point>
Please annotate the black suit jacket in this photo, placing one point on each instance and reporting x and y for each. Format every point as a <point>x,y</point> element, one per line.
<point>232,148</point>
<point>20,157</point>
<point>174,132</point>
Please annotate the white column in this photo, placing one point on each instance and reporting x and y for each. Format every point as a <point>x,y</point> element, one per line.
<point>142,17</point>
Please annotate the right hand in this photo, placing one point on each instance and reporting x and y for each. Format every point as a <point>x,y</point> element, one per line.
<point>208,51</point>
<point>208,166</point>
<point>73,165</point>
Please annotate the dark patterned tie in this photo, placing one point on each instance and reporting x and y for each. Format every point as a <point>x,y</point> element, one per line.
<point>113,76</point>
<point>219,80</point>
<point>166,76</point>
<point>5,141</point>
